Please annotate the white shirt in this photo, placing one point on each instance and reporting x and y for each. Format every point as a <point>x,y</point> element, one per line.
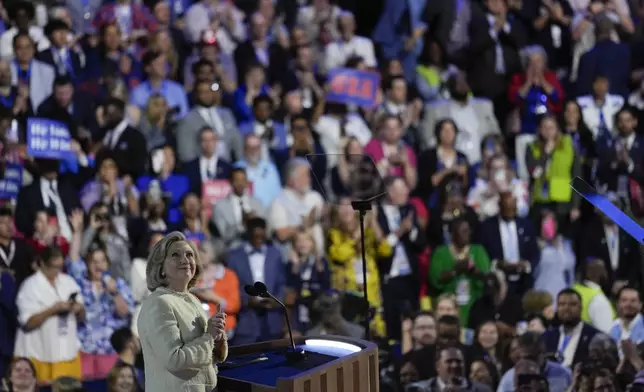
<point>627,329</point>
<point>50,197</point>
<point>238,210</point>
<point>338,52</point>
<point>571,348</point>
<point>600,310</point>
<point>591,112</point>
<point>208,166</point>
<point>612,243</point>
<point>510,241</point>
<point>56,340</point>
<point>257,260</point>
<point>288,209</point>
<point>400,265</point>
<point>112,137</point>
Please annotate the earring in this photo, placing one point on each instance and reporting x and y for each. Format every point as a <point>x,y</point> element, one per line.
<point>162,275</point>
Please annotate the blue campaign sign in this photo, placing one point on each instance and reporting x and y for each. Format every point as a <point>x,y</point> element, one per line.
<point>12,181</point>
<point>48,139</point>
<point>351,86</point>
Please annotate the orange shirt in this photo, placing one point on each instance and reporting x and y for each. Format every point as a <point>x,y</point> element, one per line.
<point>226,286</point>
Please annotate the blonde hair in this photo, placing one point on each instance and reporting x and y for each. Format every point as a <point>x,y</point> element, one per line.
<point>535,301</point>
<point>155,277</point>
<point>309,235</point>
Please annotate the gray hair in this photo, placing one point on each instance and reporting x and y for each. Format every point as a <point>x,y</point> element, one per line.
<point>294,164</point>
<point>154,275</point>
<point>532,50</point>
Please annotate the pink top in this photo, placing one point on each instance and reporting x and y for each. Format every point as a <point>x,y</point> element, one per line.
<point>376,151</point>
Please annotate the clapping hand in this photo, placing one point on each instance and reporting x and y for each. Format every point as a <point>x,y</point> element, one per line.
<point>217,325</point>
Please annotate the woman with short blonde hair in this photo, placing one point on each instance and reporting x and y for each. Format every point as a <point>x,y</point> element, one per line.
<point>181,346</point>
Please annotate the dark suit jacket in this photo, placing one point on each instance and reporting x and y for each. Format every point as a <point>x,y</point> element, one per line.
<point>47,56</point>
<point>412,247</point>
<point>192,170</point>
<point>250,322</point>
<point>482,76</point>
<point>588,332</point>
<point>277,60</point>
<point>490,238</point>
<point>130,153</point>
<point>82,113</point>
<point>30,201</point>
<point>607,58</point>
<point>21,264</point>
<point>592,243</point>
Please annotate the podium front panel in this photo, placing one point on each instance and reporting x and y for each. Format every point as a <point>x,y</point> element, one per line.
<point>333,364</point>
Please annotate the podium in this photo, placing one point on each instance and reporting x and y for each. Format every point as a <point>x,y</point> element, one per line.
<point>332,364</point>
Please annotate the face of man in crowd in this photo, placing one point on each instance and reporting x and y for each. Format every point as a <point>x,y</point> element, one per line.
<point>24,49</point>
<point>450,364</point>
<point>424,330</point>
<point>239,182</point>
<point>208,142</point>
<point>629,304</point>
<point>569,309</point>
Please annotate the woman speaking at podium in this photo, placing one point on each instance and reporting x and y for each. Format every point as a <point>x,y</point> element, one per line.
<point>180,345</point>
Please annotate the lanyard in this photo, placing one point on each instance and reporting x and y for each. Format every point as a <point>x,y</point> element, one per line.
<point>66,61</point>
<point>564,343</point>
<point>24,76</point>
<point>8,100</point>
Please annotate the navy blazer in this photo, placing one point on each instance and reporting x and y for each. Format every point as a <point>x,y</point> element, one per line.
<point>47,56</point>
<point>607,58</point>
<point>607,154</point>
<point>192,170</point>
<point>490,238</point>
<point>250,323</point>
<point>588,332</point>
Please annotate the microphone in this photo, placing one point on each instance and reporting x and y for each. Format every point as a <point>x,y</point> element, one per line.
<point>259,289</point>
<point>250,290</point>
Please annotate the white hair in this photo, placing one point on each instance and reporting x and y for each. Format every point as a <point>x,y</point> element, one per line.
<point>530,51</point>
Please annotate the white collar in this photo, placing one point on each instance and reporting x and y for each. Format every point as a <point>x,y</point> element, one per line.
<point>630,325</point>
<point>591,285</point>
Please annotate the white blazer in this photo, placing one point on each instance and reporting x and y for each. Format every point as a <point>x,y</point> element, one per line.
<point>179,354</point>
<point>41,83</point>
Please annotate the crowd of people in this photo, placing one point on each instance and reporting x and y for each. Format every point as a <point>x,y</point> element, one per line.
<point>485,270</point>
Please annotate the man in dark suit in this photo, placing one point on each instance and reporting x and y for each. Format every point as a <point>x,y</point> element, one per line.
<point>570,341</point>
<point>126,145</point>
<point>397,219</point>
<point>511,243</point>
<point>209,166</point>
<point>495,41</point>
<point>603,239</point>
<point>72,108</point>
<point>621,161</point>
<point>62,58</point>
<point>258,49</point>
<point>259,319</point>
<point>607,58</point>
<point>47,193</point>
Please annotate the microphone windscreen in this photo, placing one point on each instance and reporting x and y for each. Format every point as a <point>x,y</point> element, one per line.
<point>250,290</point>
<point>260,288</point>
